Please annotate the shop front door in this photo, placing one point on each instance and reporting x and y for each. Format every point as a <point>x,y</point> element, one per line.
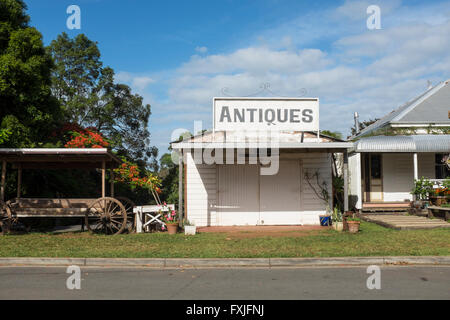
<point>280,202</point>
<point>372,177</point>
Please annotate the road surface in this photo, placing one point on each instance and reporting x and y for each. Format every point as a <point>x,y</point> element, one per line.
<point>397,282</point>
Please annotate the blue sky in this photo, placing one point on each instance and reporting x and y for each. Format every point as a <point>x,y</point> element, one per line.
<point>180,54</point>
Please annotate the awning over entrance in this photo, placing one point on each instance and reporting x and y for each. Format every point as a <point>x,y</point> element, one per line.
<point>287,141</point>
<point>412,143</point>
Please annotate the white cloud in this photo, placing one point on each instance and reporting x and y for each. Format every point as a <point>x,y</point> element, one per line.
<point>201,49</point>
<point>257,60</point>
<point>357,9</point>
<point>141,82</point>
<point>136,81</point>
<point>122,76</point>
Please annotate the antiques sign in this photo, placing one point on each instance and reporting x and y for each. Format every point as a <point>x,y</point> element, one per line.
<point>266,114</point>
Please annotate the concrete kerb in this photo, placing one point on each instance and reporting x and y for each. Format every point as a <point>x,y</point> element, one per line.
<point>304,262</point>
<point>179,263</point>
<point>29,261</point>
<point>217,263</point>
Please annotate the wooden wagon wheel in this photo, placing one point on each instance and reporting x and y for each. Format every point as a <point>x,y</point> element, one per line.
<point>6,217</point>
<point>106,215</point>
<point>129,205</point>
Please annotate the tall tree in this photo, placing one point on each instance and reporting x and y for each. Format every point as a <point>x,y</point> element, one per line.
<point>169,175</point>
<point>27,109</point>
<point>90,97</point>
<point>334,134</point>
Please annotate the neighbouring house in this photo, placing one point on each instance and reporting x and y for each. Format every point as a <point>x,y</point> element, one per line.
<point>410,142</point>
<point>224,182</point>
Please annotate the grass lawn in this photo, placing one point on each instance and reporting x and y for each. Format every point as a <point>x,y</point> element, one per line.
<point>373,240</point>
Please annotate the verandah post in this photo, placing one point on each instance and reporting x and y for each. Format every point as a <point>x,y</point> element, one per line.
<point>416,167</point>
<point>2,187</point>
<point>345,181</point>
<point>103,178</point>
<point>111,173</point>
<point>416,171</point>
<point>180,186</point>
<point>19,180</point>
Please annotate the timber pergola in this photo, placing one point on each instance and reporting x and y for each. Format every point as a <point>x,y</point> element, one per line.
<point>105,214</point>
<point>57,158</point>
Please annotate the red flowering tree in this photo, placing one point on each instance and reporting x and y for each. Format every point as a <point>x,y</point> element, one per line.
<point>84,138</point>
<point>129,172</point>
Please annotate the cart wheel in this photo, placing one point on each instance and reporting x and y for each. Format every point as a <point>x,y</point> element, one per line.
<point>129,205</point>
<point>6,218</point>
<point>106,215</point>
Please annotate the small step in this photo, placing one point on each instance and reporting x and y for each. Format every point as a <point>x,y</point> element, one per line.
<point>405,222</point>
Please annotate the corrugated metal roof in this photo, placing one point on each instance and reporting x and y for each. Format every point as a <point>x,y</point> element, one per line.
<point>58,154</point>
<point>413,143</point>
<point>433,109</point>
<point>430,107</point>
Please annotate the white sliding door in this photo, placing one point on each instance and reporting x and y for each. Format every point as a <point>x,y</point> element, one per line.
<point>280,195</point>
<point>238,194</point>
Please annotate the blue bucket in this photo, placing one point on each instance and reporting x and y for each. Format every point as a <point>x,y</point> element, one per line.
<point>325,221</point>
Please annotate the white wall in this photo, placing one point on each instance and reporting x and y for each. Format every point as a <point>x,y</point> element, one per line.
<point>355,180</point>
<point>312,206</point>
<point>200,192</point>
<point>398,176</point>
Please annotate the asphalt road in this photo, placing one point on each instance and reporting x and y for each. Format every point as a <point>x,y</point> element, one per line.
<point>399,282</point>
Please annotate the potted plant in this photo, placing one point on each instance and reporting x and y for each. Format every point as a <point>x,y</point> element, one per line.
<point>423,188</point>
<point>446,186</point>
<point>439,195</point>
<point>353,223</point>
<point>170,218</point>
<point>337,223</point>
<point>325,219</point>
<point>189,228</point>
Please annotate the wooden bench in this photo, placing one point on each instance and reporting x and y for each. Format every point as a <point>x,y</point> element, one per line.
<point>41,207</point>
<point>439,212</point>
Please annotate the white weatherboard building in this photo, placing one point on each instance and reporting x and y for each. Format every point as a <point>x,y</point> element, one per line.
<point>380,162</point>
<point>251,169</point>
<point>408,143</point>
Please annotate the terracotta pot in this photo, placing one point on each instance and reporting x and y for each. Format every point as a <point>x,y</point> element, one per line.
<point>344,219</point>
<point>353,226</point>
<point>172,227</point>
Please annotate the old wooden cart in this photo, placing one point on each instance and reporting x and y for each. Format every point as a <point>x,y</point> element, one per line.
<point>109,215</point>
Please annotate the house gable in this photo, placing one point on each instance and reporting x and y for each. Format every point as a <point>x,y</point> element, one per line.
<point>434,109</point>
<point>430,108</point>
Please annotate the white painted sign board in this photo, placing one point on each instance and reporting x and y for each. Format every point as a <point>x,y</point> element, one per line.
<point>266,114</point>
